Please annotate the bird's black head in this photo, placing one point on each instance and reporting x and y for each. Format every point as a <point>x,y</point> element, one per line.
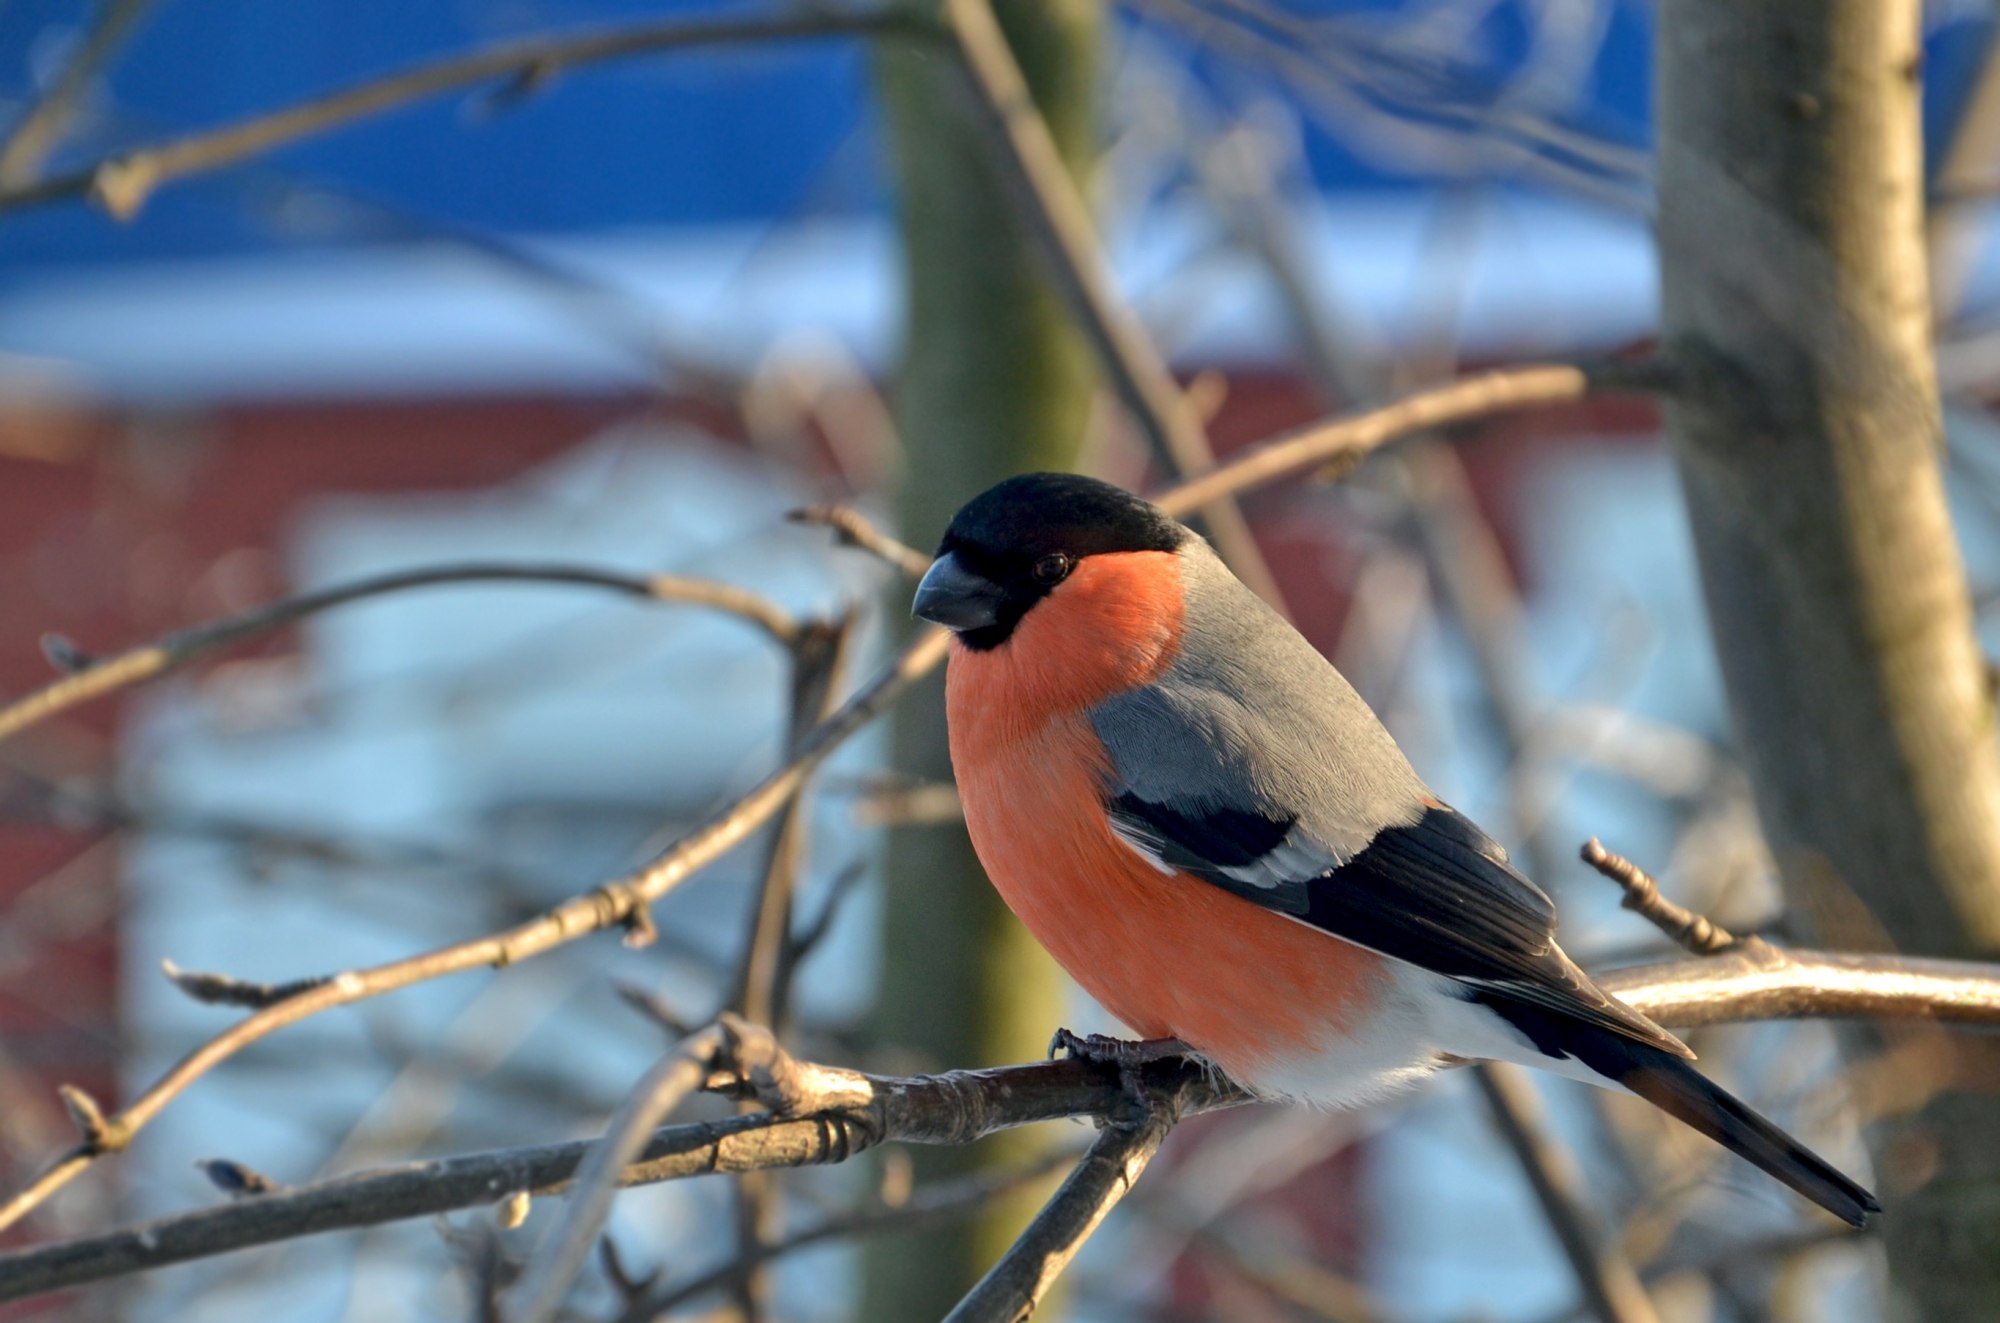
<point>1010,546</point>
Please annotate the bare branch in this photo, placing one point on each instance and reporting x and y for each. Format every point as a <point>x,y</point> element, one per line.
<point>763,982</point>
<point>122,183</point>
<point>1053,212</point>
<point>1013,1287</point>
<point>854,529</point>
<point>99,677</point>
<point>838,1114</point>
<point>41,130</point>
<point>566,1248</point>
<point>1696,932</point>
<point>763,985</point>
<point>1776,983</point>
<point>653,1008</point>
<point>1346,439</point>
<point>827,1115</point>
<point>1611,1288</point>
<point>926,1206</point>
<point>810,936</point>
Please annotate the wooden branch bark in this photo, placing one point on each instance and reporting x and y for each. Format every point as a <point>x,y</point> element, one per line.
<point>89,678</point>
<point>547,1279</point>
<point>762,992</point>
<point>835,1114</point>
<point>41,130</point>
<point>121,184</point>
<point>1807,427</point>
<point>1022,1278</point>
<point>827,1115</point>
<point>1610,1285</point>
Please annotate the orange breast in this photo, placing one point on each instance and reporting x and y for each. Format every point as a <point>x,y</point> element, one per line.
<point>1170,955</point>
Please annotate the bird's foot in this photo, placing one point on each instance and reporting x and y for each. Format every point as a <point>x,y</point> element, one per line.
<point>1116,1051</point>
<point>1130,1055</point>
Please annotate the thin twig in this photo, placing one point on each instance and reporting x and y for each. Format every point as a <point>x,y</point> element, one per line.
<point>1611,1289</point>
<point>927,1206</point>
<point>763,981</point>
<point>122,183</point>
<point>854,529</point>
<point>1055,215</point>
<point>762,991</point>
<point>653,1007</point>
<point>566,1248</point>
<point>41,130</point>
<point>916,803</point>
<point>1012,1288</point>
<point>844,884</point>
<point>100,677</point>
<point>1346,439</point>
<point>1696,932</point>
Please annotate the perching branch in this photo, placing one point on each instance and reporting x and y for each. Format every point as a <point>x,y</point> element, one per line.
<point>625,901</point>
<point>121,184</point>
<point>87,678</point>
<point>823,1114</point>
<point>820,1115</point>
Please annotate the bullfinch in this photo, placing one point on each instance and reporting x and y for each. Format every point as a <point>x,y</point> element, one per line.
<point>1211,831</point>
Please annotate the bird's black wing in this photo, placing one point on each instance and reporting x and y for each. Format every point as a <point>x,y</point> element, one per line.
<point>1436,892</point>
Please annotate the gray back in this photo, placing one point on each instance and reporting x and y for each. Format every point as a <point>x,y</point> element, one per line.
<point>1251,718</point>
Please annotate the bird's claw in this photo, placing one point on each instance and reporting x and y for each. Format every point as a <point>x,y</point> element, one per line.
<point>1130,1056</point>
<point>1115,1051</point>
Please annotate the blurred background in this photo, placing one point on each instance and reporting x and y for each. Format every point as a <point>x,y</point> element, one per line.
<point>630,312</point>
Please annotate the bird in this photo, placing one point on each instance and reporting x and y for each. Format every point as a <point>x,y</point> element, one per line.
<point>1216,837</point>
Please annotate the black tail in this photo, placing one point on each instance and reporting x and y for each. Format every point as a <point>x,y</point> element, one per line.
<point>1682,1092</point>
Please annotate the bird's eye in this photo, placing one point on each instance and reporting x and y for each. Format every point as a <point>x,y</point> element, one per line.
<point>1051,568</point>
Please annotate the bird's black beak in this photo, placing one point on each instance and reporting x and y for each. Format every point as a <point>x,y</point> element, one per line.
<point>955,597</point>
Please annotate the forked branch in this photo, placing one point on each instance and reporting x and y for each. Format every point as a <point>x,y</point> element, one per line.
<point>823,1114</point>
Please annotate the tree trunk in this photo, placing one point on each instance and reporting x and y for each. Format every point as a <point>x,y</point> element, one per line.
<point>994,381</point>
<point>1807,428</point>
